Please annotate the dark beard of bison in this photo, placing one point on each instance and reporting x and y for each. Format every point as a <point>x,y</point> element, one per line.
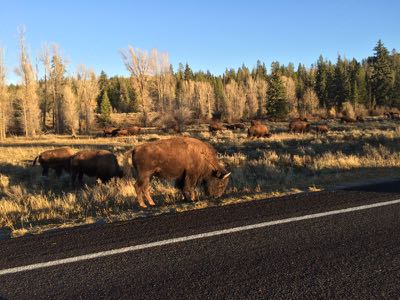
<point>215,186</point>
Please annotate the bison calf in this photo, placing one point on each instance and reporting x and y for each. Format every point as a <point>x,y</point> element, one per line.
<point>216,126</point>
<point>57,159</point>
<point>258,131</point>
<point>188,161</point>
<point>101,164</point>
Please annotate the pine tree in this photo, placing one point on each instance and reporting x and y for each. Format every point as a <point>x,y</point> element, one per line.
<point>381,75</point>
<point>105,109</point>
<point>277,104</point>
<point>103,84</point>
<point>321,84</point>
<point>188,73</point>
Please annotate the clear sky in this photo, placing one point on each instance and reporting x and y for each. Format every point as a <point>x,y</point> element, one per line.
<point>207,34</point>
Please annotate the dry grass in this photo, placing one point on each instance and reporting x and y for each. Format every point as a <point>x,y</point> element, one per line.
<point>285,163</point>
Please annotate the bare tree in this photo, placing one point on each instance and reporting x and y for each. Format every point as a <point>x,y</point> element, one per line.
<point>4,98</point>
<point>44,57</point>
<point>28,98</point>
<point>290,90</point>
<point>164,81</point>
<point>204,99</point>
<point>262,87</point>
<point>251,97</point>
<point>140,65</point>
<point>235,100</point>
<point>56,83</point>
<point>310,102</point>
<point>87,90</point>
<point>70,109</point>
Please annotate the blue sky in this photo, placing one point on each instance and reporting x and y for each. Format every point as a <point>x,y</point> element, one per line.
<point>207,34</point>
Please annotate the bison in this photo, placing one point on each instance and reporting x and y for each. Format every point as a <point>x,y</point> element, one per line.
<point>347,119</point>
<point>56,159</point>
<point>360,119</point>
<point>188,161</point>
<point>321,129</point>
<point>101,164</point>
<point>255,122</point>
<point>216,126</point>
<point>299,126</point>
<point>258,131</point>
<point>111,131</point>
<point>132,130</point>
<point>299,119</point>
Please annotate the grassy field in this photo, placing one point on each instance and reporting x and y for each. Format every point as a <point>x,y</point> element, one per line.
<point>285,163</point>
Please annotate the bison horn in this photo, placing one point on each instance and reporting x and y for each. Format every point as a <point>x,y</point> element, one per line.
<point>226,175</point>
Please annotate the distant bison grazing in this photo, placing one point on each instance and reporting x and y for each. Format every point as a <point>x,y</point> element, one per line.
<point>216,126</point>
<point>235,126</point>
<point>299,126</point>
<point>299,119</point>
<point>133,130</point>
<point>346,119</point>
<point>57,159</point>
<point>110,131</point>
<point>321,129</point>
<point>255,122</point>
<point>360,119</point>
<point>94,163</point>
<point>188,161</point>
<point>258,131</point>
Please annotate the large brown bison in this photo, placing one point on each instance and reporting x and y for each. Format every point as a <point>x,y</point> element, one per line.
<point>299,126</point>
<point>56,159</point>
<point>101,164</point>
<point>188,161</point>
<point>258,131</point>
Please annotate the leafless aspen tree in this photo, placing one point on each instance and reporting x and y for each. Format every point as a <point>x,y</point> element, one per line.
<point>235,100</point>
<point>28,98</point>
<point>164,81</point>
<point>204,99</point>
<point>44,57</point>
<point>70,108</point>
<point>87,90</point>
<point>4,99</point>
<point>56,86</point>
<point>290,90</point>
<point>262,87</point>
<point>251,97</point>
<point>140,65</point>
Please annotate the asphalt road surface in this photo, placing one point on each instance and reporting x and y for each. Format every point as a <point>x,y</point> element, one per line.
<point>341,244</point>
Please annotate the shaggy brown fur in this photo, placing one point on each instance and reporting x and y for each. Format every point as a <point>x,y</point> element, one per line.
<point>258,131</point>
<point>133,130</point>
<point>299,126</point>
<point>57,159</point>
<point>94,163</point>
<point>188,161</point>
<point>255,122</point>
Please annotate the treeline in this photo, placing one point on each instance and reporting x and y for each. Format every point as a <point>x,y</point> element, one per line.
<point>70,103</point>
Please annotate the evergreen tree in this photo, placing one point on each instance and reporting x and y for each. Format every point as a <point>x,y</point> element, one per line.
<point>103,83</point>
<point>321,84</point>
<point>188,73</point>
<point>277,104</point>
<point>341,83</point>
<point>105,108</point>
<point>381,75</point>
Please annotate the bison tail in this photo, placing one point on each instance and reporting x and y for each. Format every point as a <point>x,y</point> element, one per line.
<point>34,161</point>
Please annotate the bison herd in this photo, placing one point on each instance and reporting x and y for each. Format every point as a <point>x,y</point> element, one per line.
<point>186,160</point>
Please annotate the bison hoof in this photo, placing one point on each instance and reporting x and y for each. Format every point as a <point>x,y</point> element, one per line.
<point>142,205</point>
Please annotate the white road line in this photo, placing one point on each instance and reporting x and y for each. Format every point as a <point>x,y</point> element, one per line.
<point>191,237</point>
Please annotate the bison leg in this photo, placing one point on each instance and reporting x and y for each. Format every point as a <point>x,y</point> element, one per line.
<point>73,177</point>
<point>188,188</point>
<point>58,171</point>
<point>148,197</point>
<point>45,171</point>
<point>139,188</point>
<point>80,177</point>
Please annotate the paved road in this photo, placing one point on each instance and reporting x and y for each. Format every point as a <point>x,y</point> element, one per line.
<point>348,254</point>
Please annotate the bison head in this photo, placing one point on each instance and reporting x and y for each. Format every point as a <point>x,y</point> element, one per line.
<point>216,183</point>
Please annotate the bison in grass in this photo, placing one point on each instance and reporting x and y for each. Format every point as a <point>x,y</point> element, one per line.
<point>235,126</point>
<point>299,126</point>
<point>258,131</point>
<point>56,159</point>
<point>346,119</point>
<point>188,161</point>
<point>110,131</point>
<point>133,130</point>
<point>101,164</point>
<point>216,126</point>
<point>321,129</point>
